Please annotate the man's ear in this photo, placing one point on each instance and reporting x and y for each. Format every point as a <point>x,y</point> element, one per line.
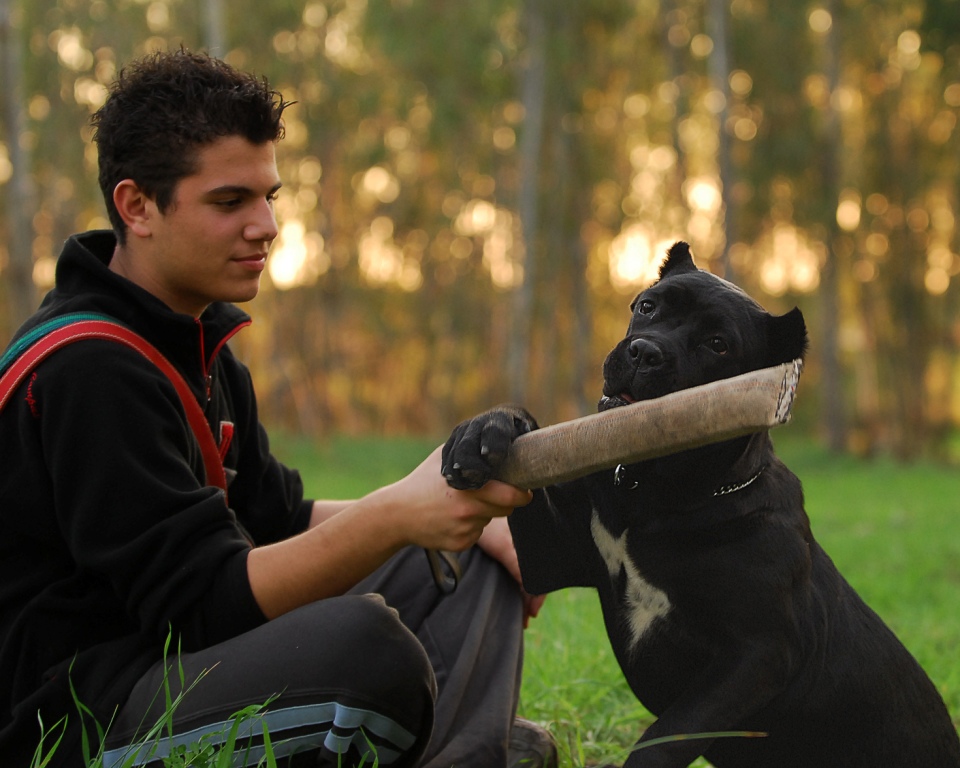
<point>135,208</point>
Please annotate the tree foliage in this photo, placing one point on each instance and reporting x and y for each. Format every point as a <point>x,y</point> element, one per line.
<point>459,227</point>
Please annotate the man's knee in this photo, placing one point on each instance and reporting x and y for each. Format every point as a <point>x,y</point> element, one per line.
<point>377,672</point>
<point>343,673</point>
<point>371,632</point>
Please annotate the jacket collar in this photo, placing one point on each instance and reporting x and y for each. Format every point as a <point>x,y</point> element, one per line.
<point>84,282</point>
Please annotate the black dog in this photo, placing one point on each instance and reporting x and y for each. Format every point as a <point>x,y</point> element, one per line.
<point>723,611</point>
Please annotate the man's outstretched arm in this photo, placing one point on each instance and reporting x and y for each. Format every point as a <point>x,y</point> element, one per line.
<point>349,540</point>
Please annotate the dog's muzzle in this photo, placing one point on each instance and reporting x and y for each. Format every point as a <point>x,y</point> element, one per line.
<point>607,402</point>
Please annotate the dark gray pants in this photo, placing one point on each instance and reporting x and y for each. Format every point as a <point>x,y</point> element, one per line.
<point>432,680</point>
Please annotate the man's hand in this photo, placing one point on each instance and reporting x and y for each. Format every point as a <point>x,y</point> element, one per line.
<point>471,456</point>
<point>438,516</point>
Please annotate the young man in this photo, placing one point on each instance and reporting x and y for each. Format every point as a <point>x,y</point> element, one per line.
<point>113,541</point>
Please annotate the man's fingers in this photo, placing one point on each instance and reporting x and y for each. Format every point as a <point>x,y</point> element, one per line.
<point>531,607</point>
<point>504,496</point>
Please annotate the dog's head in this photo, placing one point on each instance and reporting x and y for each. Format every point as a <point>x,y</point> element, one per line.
<point>691,328</point>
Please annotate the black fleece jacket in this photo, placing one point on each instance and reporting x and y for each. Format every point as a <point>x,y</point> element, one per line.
<point>108,537</point>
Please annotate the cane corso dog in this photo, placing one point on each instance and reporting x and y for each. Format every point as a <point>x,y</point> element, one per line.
<point>724,613</point>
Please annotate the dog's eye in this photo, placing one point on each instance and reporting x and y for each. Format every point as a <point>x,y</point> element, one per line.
<point>645,307</point>
<point>717,345</point>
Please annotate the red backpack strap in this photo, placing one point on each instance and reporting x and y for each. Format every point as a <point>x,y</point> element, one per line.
<point>106,329</point>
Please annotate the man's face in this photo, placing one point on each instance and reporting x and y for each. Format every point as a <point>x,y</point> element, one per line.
<point>211,243</point>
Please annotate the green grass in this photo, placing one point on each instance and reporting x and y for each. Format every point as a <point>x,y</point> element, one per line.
<point>892,529</point>
<point>894,532</point>
<point>216,750</point>
<point>346,468</point>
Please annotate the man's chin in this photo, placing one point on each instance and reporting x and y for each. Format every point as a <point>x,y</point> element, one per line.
<point>245,292</point>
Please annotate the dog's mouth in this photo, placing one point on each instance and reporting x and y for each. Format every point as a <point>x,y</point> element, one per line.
<point>614,401</point>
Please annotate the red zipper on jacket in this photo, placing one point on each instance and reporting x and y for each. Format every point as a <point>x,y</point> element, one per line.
<point>207,364</point>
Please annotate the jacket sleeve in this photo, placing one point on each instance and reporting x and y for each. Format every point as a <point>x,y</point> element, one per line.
<point>124,464</point>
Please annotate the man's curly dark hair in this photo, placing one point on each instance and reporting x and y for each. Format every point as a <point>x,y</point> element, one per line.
<point>165,106</point>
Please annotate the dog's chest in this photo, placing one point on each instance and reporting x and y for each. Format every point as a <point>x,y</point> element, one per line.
<point>641,602</point>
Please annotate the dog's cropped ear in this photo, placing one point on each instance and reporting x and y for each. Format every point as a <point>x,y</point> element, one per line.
<point>786,337</point>
<point>679,259</point>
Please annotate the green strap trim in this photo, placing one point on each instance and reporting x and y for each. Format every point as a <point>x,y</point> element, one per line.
<point>28,339</point>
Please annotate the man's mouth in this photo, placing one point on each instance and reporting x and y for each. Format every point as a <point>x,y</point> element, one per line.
<point>255,261</point>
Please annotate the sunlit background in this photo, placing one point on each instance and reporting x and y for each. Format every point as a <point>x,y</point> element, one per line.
<point>473,193</point>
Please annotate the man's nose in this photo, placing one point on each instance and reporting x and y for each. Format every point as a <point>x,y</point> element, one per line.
<point>263,224</point>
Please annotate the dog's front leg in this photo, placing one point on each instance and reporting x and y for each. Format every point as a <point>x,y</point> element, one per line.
<point>739,682</point>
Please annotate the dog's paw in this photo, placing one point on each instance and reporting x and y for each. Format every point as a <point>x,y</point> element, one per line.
<point>477,447</point>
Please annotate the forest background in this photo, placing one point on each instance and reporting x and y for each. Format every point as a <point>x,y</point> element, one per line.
<point>474,191</point>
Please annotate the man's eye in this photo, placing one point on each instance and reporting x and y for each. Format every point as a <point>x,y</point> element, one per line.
<point>232,202</point>
<point>717,345</point>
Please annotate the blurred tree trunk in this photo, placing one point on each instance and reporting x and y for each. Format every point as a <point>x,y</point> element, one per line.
<point>719,63</point>
<point>20,193</point>
<point>573,190</point>
<point>533,96</point>
<point>676,68</point>
<point>575,207</point>
<point>833,410</point>
<point>909,346</point>
<point>214,28</point>
<point>905,334</point>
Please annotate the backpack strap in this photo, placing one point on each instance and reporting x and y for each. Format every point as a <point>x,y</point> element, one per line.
<point>36,345</point>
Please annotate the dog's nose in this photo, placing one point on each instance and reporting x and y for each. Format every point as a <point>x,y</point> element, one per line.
<point>645,352</point>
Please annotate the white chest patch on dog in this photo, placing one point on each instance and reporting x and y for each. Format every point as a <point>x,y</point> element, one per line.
<point>644,602</point>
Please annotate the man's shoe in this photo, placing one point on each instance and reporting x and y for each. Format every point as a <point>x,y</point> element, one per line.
<point>531,746</point>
